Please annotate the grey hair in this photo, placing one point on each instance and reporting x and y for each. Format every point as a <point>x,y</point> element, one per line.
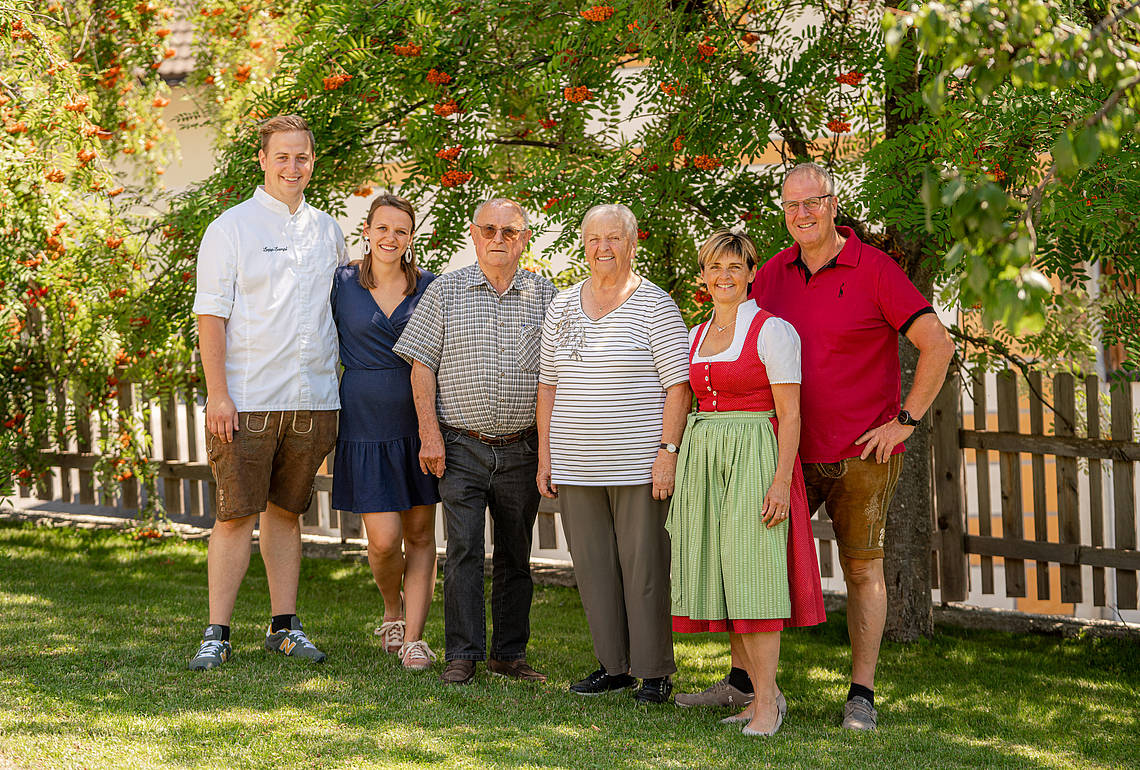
<point>622,212</point>
<point>816,170</point>
<point>502,202</point>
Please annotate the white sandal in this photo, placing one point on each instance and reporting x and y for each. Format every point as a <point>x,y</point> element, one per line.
<point>392,634</point>
<point>416,656</point>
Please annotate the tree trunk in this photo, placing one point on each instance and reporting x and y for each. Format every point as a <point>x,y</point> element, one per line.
<point>910,531</point>
<point>911,515</point>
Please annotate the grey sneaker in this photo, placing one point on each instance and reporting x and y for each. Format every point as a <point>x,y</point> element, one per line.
<point>717,694</point>
<point>859,714</point>
<point>293,642</point>
<point>213,652</point>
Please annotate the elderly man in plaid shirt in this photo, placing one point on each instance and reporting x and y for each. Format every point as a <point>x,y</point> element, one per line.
<point>473,343</point>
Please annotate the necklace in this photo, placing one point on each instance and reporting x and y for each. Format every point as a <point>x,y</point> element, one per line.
<point>720,328</point>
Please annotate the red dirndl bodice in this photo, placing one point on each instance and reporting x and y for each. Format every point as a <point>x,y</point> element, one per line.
<point>742,385</point>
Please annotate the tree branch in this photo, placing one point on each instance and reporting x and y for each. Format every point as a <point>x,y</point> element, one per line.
<point>1037,194</point>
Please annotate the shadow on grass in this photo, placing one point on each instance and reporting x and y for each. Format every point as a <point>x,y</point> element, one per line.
<point>97,631</point>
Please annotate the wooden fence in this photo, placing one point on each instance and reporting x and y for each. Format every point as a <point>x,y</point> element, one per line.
<point>1003,427</point>
<point>176,435</point>
<point>1068,529</point>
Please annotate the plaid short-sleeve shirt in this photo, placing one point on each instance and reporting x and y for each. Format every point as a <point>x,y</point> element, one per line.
<point>483,347</point>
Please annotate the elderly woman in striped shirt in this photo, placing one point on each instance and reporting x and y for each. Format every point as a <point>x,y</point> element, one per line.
<point>742,551</point>
<point>612,397</point>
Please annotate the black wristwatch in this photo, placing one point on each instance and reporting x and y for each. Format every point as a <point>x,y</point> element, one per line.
<point>905,419</point>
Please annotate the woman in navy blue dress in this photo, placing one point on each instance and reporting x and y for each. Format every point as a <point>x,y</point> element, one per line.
<point>376,472</point>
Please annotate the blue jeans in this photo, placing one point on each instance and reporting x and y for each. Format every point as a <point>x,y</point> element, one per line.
<point>479,477</point>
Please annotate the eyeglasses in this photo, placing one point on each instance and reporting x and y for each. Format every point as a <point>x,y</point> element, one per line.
<point>810,205</point>
<point>489,231</point>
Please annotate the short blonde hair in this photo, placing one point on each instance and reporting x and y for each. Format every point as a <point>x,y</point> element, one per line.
<point>281,124</point>
<point>735,244</point>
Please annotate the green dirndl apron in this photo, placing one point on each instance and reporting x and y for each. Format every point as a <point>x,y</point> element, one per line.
<point>726,563</point>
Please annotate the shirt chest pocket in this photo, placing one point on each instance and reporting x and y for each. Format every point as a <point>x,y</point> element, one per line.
<point>316,257</point>
<point>530,344</point>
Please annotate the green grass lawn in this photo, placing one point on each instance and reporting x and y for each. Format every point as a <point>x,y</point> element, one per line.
<point>96,630</point>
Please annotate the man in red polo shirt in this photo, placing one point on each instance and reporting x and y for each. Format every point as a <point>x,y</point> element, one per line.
<point>849,302</point>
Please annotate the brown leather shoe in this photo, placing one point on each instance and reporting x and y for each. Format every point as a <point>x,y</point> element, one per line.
<point>515,669</point>
<point>458,672</point>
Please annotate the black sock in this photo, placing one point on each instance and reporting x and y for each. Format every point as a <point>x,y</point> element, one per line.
<point>738,678</point>
<point>225,632</point>
<point>863,692</point>
<point>282,622</point>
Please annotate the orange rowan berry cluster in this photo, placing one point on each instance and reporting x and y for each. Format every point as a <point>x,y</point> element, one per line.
<point>705,49</point>
<point>838,126</point>
<point>597,13</point>
<point>85,156</point>
<point>411,49</point>
<point>111,76</point>
<point>552,202</point>
<point>678,143</point>
<point>241,74</point>
<point>333,82</point>
<point>849,78</point>
<point>437,78</point>
<point>443,109</point>
<point>114,242</point>
<point>116,191</point>
<point>454,178</point>
<point>55,175</point>
<point>997,174</point>
<point>642,235</point>
<point>749,38</point>
<point>79,105</point>
<point>577,94</point>
<point>451,153</point>
<point>15,127</point>
<point>548,123</point>
<point>701,297</point>
<point>363,191</point>
<point>19,32</point>
<point>160,102</point>
<point>162,32</point>
<point>707,162</point>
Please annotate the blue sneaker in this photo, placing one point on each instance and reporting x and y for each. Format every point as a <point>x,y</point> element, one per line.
<point>214,650</point>
<point>293,642</point>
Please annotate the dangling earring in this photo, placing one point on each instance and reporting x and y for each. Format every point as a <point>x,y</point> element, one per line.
<point>367,247</point>
<point>407,256</point>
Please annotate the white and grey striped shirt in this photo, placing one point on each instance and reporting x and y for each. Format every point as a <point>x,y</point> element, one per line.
<point>483,347</point>
<point>611,375</point>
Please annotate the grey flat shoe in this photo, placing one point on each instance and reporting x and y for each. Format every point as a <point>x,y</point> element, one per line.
<point>781,706</point>
<point>746,730</point>
<point>859,714</point>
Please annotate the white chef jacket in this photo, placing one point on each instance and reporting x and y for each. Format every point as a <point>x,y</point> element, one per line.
<point>269,274</point>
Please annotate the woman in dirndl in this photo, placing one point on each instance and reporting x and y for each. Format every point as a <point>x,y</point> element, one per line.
<point>743,558</point>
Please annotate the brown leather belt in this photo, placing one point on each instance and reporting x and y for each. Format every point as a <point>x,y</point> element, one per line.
<point>504,440</point>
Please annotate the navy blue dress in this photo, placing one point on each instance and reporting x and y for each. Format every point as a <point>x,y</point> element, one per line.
<point>377,447</point>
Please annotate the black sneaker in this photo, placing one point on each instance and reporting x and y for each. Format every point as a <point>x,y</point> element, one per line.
<point>600,682</point>
<point>655,690</point>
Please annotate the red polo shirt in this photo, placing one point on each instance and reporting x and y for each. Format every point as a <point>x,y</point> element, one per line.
<point>849,315</point>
